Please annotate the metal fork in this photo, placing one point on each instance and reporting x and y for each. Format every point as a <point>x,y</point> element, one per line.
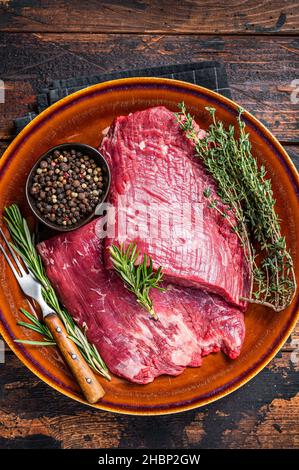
<point>87,380</point>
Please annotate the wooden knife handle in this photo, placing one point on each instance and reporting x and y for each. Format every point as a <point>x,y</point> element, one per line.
<point>87,380</point>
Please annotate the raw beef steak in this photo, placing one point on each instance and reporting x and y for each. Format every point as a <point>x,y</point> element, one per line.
<point>191,322</point>
<point>157,192</point>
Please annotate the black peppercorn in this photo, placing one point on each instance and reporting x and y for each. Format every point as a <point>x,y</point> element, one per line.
<point>67,186</point>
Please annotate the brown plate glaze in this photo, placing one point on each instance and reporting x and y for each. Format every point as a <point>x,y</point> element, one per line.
<point>81,117</point>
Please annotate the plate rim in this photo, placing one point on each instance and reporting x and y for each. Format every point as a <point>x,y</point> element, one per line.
<point>20,350</point>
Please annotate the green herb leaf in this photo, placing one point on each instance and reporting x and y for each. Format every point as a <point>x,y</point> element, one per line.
<point>35,343</point>
<point>138,279</point>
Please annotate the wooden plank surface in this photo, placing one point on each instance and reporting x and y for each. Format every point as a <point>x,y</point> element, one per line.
<point>152,16</point>
<point>264,413</point>
<point>257,42</point>
<point>260,69</point>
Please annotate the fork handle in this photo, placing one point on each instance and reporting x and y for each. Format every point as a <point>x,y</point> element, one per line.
<point>87,380</point>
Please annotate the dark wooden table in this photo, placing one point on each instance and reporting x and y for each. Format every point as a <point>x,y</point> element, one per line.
<point>258,42</point>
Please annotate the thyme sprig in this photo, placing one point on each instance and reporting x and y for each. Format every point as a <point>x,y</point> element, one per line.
<point>247,202</point>
<point>23,244</point>
<point>138,278</point>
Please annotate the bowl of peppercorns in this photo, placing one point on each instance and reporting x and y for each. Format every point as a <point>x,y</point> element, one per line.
<point>67,185</point>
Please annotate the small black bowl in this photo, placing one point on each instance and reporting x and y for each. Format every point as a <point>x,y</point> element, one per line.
<point>86,150</point>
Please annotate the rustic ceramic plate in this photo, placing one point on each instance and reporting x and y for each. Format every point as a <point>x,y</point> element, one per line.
<point>80,118</point>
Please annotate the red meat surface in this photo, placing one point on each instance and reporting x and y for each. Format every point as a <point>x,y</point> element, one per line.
<point>192,323</point>
<point>156,181</point>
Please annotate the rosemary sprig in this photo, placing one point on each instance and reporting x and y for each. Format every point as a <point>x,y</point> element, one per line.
<point>138,279</point>
<point>23,244</point>
<point>37,326</point>
<point>247,202</point>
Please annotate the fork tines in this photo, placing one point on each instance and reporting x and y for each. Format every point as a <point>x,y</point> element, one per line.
<point>14,256</point>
